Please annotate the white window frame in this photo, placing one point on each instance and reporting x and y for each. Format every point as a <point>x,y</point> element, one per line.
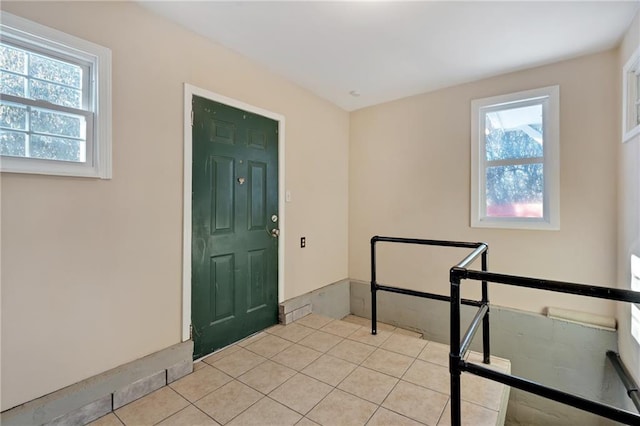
<point>635,308</point>
<point>41,39</point>
<point>630,97</point>
<point>549,98</point>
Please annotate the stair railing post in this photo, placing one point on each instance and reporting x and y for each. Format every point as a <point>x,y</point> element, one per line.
<point>486,341</point>
<point>374,288</point>
<point>454,343</point>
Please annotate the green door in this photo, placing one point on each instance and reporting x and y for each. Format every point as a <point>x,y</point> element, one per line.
<point>234,255</point>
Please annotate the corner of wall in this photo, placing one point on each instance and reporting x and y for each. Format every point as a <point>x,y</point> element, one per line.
<point>332,301</point>
<point>628,209</point>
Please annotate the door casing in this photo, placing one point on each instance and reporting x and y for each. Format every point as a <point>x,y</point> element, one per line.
<point>189,91</point>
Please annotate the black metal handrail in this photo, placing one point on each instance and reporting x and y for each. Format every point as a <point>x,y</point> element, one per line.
<point>458,348</point>
<point>630,385</point>
<point>480,249</point>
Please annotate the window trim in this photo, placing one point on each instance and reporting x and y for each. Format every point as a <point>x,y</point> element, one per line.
<point>634,323</point>
<point>41,39</point>
<point>631,67</point>
<point>550,97</point>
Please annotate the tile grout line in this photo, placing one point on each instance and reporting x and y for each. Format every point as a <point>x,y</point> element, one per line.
<point>243,411</point>
<point>292,343</point>
<point>304,415</point>
<point>118,417</point>
<point>400,379</point>
<point>196,407</point>
<point>360,364</point>
<point>172,414</point>
<point>378,406</point>
<point>267,394</point>
<point>445,409</point>
<point>394,387</point>
<point>293,409</point>
<point>333,388</point>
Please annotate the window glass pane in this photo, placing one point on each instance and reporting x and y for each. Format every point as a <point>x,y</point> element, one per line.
<point>13,116</point>
<point>11,84</point>
<point>635,286</point>
<point>53,90</point>
<point>55,71</point>
<point>12,143</point>
<point>54,123</point>
<point>638,98</point>
<point>12,59</point>
<point>55,93</point>
<point>514,133</point>
<point>515,191</point>
<point>53,148</point>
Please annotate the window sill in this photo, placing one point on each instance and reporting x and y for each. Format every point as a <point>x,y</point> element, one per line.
<point>46,167</point>
<point>515,224</point>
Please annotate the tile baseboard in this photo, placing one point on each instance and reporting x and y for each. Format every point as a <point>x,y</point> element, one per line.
<point>96,396</point>
<point>332,300</point>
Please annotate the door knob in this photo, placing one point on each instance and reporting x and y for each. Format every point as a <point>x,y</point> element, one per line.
<point>275,232</point>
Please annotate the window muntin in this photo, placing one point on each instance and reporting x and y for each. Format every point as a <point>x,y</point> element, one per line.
<point>50,133</point>
<point>31,132</point>
<point>27,74</point>
<point>55,102</point>
<point>514,178</point>
<point>514,160</point>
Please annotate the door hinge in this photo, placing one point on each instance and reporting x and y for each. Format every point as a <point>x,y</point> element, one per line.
<point>192,118</point>
<point>190,331</point>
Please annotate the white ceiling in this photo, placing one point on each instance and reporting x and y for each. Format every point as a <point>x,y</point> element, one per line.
<point>389,50</point>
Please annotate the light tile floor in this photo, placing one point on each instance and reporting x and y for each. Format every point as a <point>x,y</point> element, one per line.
<point>319,371</point>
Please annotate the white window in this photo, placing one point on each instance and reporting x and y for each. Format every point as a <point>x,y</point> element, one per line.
<point>55,102</point>
<point>631,97</point>
<point>515,160</point>
<point>635,286</point>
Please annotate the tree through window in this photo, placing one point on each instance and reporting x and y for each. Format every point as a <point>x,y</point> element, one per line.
<point>49,133</point>
<point>54,102</point>
<point>515,156</point>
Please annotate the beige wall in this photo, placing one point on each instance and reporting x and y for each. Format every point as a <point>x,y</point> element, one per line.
<point>629,211</point>
<point>409,176</point>
<point>91,269</point>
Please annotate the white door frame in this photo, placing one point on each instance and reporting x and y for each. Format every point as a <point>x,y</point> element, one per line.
<point>189,91</point>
